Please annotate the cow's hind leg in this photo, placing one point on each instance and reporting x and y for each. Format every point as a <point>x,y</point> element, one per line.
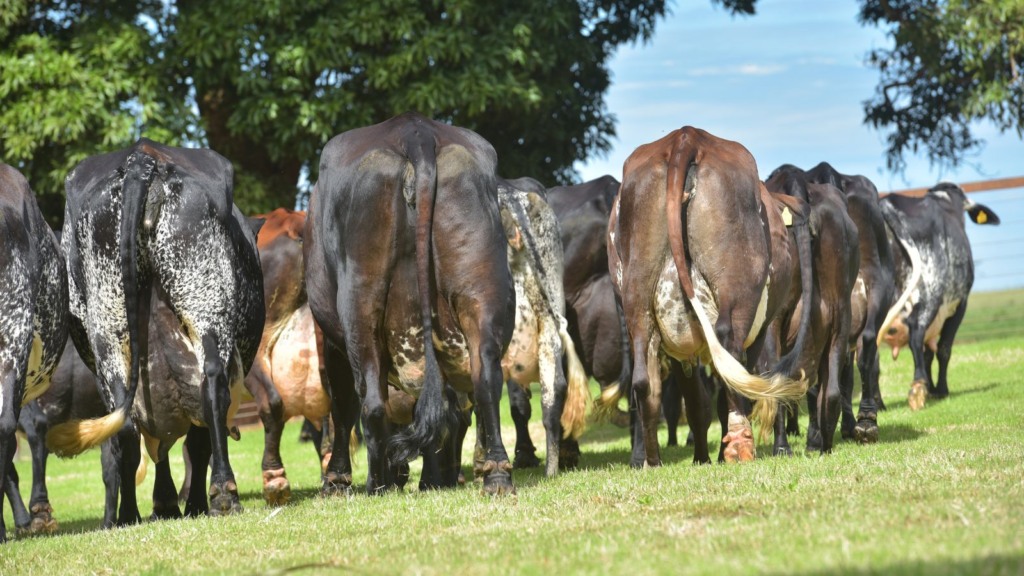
<point>127,453</point>
<point>554,390</point>
<point>672,405</point>
<point>165,495</point>
<point>830,399</point>
<point>846,395</point>
<point>945,348</point>
<point>697,402</point>
<point>866,429</point>
<point>519,406</point>
<point>485,365</point>
<point>8,425</point>
<point>276,489</point>
<point>11,482</point>
<point>646,388</point>
<point>216,399</point>
<point>337,375</point>
<point>918,393</point>
<point>35,427</point>
<point>197,444</point>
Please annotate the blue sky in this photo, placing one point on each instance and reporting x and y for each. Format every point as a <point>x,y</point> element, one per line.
<point>789,84</point>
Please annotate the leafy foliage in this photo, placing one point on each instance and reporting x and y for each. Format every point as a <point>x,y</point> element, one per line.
<point>953,62</point>
<point>267,83</point>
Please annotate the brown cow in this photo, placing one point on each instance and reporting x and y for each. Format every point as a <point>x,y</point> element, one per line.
<point>408,277</point>
<point>285,376</point>
<point>825,354</point>
<point>690,253</point>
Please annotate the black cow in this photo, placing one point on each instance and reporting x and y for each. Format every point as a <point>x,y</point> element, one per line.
<point>935,272</point>
<point>156,222</point>
<point>825,353</point>
<point>872,295</point>
<point>595,320</point>
<point>33,316</point>
<point>408,277</point>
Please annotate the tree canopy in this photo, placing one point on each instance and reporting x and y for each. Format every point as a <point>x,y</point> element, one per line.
<point>268,82</point>
<point>953,62</point>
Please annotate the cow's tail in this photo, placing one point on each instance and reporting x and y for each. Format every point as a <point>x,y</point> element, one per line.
<point>574,415</point>
<point>606,405</point>
<point>76,436</point>
<point>788,365</point>
<point>767,390</point>
<point>430,424</point>
<point>916,268</point>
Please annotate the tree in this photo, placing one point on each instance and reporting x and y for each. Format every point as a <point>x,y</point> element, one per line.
<point>267,82</point>
<point>77,79</point>
<point>953,62</point>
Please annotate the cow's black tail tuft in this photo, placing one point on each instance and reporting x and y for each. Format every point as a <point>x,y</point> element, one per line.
<point>433,412</point>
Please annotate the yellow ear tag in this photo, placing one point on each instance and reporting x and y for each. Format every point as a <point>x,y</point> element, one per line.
<point>787,216</point>
<point>982,217</point>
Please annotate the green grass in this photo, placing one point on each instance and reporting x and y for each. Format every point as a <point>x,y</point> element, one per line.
<point>942,493</point>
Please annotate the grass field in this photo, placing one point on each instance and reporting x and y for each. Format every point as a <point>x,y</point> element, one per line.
<point>942,493</point>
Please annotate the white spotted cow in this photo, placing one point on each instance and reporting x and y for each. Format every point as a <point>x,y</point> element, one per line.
<point>33,316</point>
<point>540,339</point>
<point>156,222</point>
<point>934,274</point>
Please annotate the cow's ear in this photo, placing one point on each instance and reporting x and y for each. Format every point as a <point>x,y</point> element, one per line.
<point>256,224</point>
<point>981,214</point>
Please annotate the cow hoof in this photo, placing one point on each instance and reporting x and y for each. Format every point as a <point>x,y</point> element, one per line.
<point>620,418</point>
<point>782,451</point>
<point>568,455</point>
<point>917,396</point>
<point>224,499</point>
<point>336,484</point>
<point>462,478</point>
<point>167,510</point>
<point>498,478</point>
<point>276,489</point>
<point>526,459</point>
<point>42,522</point>
<point>739,442</point>
<point>866,431</point>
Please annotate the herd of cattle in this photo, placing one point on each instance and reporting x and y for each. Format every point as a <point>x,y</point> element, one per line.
<point>420,283</point>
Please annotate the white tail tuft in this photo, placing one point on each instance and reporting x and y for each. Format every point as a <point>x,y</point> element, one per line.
<point>76,436</point>
<point>766,390</point>
<point>915,277</point>
<point>574,415</point>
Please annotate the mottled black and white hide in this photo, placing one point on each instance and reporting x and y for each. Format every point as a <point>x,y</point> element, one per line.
<point>540,339</point>
<point>157,222</point>
<point>934,275</point>
<point>33,314</point>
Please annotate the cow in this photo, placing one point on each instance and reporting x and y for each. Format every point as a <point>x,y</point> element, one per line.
<point>74,394</point>
<point>285,376</point>
<point>595,320</point>
<point>690,251</point>
<point>873,294</point>
<point>407,275</point>
<point>540,340</point>
<point>934,273</point>
<point>155,222</point>
<point>33,316</point>
<point>825,354</point>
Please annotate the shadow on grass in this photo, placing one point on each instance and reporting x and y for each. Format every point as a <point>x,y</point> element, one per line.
<point>901,402</point>
<point>992,564</point>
